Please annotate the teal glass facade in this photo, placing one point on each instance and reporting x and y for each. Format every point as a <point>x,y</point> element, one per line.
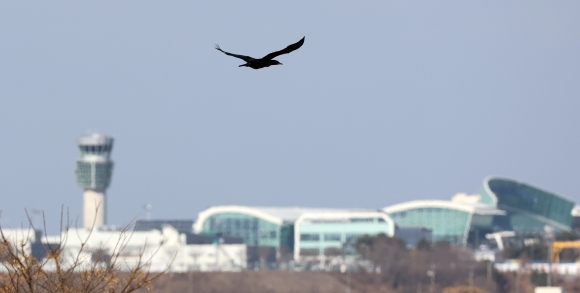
<point>94,175</point>
<point>529,209</point>
<point>447,224</point>
<point>94,168</point>
<point>337,237</point>
<point>504,205</point>
<point>254,231</point>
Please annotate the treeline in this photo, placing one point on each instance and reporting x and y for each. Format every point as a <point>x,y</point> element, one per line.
<point>439,266</point>
<point>436,264</point>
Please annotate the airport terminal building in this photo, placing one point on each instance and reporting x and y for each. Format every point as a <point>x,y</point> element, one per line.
<point>284,233</point>
<point>332,234</point>
<point>449,221</point>
<point>293,232</point>
<point>500,205</point>
<point>528,208</point>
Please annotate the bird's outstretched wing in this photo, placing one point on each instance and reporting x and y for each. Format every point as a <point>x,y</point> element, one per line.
<point>245,58</point>
<point>285,50</point>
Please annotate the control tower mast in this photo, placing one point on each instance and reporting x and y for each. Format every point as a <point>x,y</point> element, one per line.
<point>93,173</point>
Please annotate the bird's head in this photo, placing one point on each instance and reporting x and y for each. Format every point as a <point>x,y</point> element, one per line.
<point>275,62</point>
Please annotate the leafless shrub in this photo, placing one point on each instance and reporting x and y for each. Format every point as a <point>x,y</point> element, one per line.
<point>86,271</point>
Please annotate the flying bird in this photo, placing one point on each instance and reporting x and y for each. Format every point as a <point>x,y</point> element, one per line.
<point>267,60</point>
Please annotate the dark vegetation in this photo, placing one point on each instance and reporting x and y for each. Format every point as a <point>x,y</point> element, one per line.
<point>404,269</point>
<point>397,270</point>
<point>57,271</point>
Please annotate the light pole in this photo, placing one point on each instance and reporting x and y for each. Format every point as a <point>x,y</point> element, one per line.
<point>518,279</point>
<point>190,281</point>
<point>431,274</point>
<point>550,237</point>
<point>470,278</point>
<point>347,280</point>
<point>489,271</point>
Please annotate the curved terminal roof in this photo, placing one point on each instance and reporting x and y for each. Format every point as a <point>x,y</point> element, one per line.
<point>276,215</point>
<point>95,139</point>
<point>480,209</point>
<point>522,198</point>
<point>346,214</point>
<point>492,194</point>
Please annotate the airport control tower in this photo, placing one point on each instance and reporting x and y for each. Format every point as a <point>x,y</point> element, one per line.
<point>93,172</point>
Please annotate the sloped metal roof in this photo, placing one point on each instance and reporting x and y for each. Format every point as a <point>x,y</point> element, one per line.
<point>277,215</point>
<point>480,209</point>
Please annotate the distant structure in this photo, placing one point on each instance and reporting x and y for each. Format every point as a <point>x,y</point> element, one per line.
<point>283,233</point>
<point>93,174</point>
<point>182,226</point>
<point>501,205</point>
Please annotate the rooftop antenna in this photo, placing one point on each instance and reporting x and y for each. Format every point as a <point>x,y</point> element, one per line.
<point>36,212</point>
<point>148,207</point>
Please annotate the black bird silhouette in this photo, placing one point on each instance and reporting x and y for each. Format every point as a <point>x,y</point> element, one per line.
<point>267,60</point>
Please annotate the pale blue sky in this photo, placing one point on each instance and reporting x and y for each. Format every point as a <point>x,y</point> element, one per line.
<point>385,102</point>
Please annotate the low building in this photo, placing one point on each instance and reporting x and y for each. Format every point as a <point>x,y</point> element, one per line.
<point>164,249</point>
<point>183,226</point>
<point>321,235</point>
<point>267,231</point>
<point>27,241</point>
<point>549,290</point>
<point>273,233</point>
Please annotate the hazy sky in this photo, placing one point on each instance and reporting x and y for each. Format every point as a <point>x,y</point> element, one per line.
<point>386,102</point>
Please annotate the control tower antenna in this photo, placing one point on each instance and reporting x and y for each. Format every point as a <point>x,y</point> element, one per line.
<point>93,174</point>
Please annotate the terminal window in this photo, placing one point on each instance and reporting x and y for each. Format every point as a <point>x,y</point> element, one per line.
<point>332,237</point>
<point>309,237</point>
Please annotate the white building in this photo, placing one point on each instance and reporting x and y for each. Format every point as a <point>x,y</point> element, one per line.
<point>23,239</point>
<point>557,268</point>
<point>321,235</point>
<point>159,250</point>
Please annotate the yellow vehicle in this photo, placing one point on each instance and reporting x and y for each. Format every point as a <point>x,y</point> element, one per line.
<point>558,246</point>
